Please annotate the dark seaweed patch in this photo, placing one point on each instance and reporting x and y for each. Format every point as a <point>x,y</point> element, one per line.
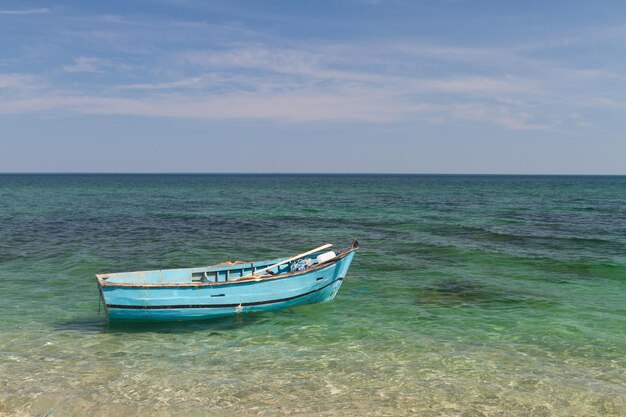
<point>454,293</point>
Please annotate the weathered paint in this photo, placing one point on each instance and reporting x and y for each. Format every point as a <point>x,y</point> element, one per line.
<point>171,294</point>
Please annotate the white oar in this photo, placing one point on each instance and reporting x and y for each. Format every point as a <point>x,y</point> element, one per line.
<point>293,258</point>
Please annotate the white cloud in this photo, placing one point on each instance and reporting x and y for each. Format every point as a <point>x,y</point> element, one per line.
<point>184,83</point>
<point>88,64</point>
<point>350,105</point>
<point>361,106</point>
<point>25,11</point>
<point>477,85</point>
<point>235,76</point>
<point>501,115</point>
<point>15,81</point>
<point>260,58</point>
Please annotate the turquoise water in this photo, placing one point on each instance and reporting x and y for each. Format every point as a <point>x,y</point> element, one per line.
<point>470,295</point>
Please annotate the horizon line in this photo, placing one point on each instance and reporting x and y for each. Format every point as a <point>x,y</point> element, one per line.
<point>309,173</point>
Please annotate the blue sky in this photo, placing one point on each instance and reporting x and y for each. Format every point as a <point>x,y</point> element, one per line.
<point>319,86</point>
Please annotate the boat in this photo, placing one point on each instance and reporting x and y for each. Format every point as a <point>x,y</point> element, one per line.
<point>227,288</point>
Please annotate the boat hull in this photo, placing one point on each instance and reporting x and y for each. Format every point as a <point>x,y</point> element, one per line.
<point>172,303</point>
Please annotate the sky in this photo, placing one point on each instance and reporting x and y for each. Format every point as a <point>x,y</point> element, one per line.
<point>343,86</point>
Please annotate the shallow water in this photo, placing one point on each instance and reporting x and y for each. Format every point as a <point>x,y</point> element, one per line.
<point>470,295</point>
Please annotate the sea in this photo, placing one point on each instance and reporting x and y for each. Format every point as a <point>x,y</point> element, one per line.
<point>470,295</point>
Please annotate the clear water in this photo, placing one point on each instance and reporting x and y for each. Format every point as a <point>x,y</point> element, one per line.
<point>471,295</point>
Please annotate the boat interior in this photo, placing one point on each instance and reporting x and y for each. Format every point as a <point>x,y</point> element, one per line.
<point>223,272</point>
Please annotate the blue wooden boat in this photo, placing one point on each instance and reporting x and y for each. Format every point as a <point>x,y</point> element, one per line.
<point>225,289</point>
